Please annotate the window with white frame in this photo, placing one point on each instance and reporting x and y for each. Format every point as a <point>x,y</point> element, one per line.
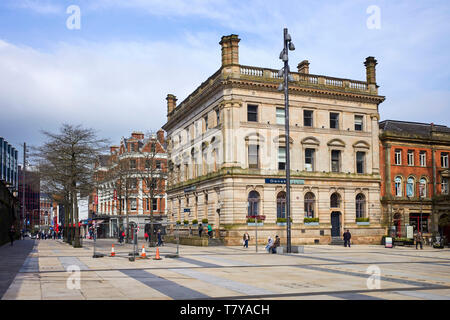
<point>133,204</point>
<point>410,187</point>
<point>253,156</point>
<point>281,158</point>
<point>398,156</point>
<point>423,158</point>
<point>410,157</point>
<point>281,116</point>
<point>358,123</point>
<point>423,188</point>
<point>398,186</point>
<point>444,159</point>
<point>309,159</point>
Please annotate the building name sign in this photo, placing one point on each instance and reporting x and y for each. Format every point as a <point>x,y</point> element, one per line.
<point>283,181</point>
<point>190,189</point>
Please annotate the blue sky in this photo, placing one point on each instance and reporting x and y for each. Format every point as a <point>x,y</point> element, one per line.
<point>114,73</point>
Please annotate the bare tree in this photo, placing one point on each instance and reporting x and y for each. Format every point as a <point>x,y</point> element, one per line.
<point>66,162</point>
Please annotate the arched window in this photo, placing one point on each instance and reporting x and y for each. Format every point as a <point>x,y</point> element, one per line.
<point>335,200</point>
<point>310,203</point>
<point>253,203</point>
<point>360,205</point>
<point>398,186</point>
<point>423,192</point>
<point>281,205</point>
<point>410,187</point>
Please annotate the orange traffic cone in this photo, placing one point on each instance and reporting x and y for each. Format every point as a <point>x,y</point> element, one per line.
<point>157,257</point>
<point>143,255</point>
<point>113,253</point>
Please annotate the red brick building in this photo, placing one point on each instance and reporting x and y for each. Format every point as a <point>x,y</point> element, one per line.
<point>414,163</point>
<point>131,184</point>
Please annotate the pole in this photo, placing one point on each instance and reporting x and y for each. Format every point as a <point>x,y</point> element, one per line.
<point>288,164</point>
<point>23,184</point>
<point>256,232</point>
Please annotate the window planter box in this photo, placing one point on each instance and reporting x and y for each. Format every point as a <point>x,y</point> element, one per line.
<point>281,224</point>
<point>253,224</point>
<point>363,223</point>
<point>311,223</point>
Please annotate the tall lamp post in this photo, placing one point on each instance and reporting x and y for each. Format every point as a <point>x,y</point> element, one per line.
<point>288,45</point>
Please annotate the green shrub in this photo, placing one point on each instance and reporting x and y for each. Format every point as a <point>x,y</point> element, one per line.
<point>252,220</point>
<point>178,222</point>
<point>308,220</point>
<point>281,220</point>
<point>195,221</point>
<point>362,219</point>
<point>186,221</point>
<point>204,220</point>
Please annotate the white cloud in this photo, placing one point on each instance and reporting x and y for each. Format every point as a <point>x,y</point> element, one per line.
<point>115,87</point>
<point>39,6</point>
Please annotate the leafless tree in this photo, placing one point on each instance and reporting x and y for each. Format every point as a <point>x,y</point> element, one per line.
<point>66,161</point>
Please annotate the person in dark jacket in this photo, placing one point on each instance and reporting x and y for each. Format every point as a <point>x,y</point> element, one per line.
<point>12,233</point>
<point>276,244</point>
<point>200,230</point>
<point>347,237</point>
<point>159,237</point>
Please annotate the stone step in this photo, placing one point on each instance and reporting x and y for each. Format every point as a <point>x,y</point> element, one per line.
<point>336,241</point>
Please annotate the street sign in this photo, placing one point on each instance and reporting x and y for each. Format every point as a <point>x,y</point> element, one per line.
<point>187,210</point>
<point>283,181</point>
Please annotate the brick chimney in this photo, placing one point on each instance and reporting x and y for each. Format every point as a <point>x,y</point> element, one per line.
<point>230,50</point>
<point>137,135</point>
<point>370,70</point>
<point>171,104</point>
<point>303,67</point>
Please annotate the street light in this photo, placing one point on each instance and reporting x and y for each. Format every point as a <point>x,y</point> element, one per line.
<point>288,45</point>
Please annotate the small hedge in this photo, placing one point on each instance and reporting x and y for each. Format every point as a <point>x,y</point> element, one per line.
<point>186,221</point>
<point>204,220</point>
<point>195,221</point>
<point>282,220</point>
<point>362,219</point>
<point>178,222</point>
<point>308,220</point>
<point>252,220</point>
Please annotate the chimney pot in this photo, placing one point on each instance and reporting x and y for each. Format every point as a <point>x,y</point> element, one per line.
<point>303,67</point>
<point>370,64</point>
<point>171,104</point>
<point>230,50</point>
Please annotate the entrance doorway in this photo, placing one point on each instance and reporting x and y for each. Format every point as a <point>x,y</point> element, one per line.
<point>335,224</point>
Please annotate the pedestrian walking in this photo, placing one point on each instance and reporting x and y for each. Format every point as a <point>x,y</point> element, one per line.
<point>158,236</point>
<point>246,239</point>
<point>347,237</point>
<point>209,231</point>
<point>200,230</point>
<point>276,244</point>
<point>419,240</point>
<point>269,244</point>
<point>12,233</point>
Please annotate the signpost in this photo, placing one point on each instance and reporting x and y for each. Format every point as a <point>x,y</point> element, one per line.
<point>256,217</point>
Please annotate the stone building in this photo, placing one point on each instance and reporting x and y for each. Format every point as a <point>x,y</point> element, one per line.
<point>415,176</point>
<point>227,150</point>
<point>131,184</point>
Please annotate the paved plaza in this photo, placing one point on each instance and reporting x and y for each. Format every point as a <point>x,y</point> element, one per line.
<point>52,268</point>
